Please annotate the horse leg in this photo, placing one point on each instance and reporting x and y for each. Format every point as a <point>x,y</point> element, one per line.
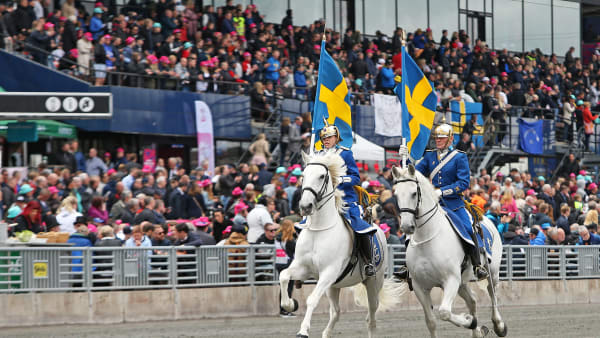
<point>326,279</point>
<point>333,294</point>
<point>373,286</point>
<point>500,327</point>
<point>465,292</point>
<point>293,272</point>
<point>450,291</point>
<point>424,297</point>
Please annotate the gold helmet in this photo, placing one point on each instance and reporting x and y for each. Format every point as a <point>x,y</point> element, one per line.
<point>329,130</point>
<point>443,130</point>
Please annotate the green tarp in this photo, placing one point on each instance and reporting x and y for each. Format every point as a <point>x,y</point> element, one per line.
<point>46,128</point>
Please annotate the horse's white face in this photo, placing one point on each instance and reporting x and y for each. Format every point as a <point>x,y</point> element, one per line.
<point>406,190</point>
<point>316,183</point>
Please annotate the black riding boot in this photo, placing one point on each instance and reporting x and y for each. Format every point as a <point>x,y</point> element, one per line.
<point>365,246</point>
<point>478,269</point>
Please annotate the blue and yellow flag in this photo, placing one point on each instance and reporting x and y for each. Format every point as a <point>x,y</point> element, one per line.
<point>418,106</point>
<point>461,113</point>
<point>332,101</point>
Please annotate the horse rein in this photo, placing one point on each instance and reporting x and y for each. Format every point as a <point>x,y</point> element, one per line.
<point>322,194</point>
<point>414,211</point>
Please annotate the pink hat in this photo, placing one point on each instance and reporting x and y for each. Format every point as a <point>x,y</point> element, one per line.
<point>204,183</point>
<point>384,227</point>
<point>48,25</point>
<point>582,172</point>
<point>118,222</point>
<point>204,63</point>
<point>88,36</point>
<point>252,25</point>
<point>239,207</point>
<point>317,47</point>
<point>571,175</point>
<point>107,36</point>
<point>98,4</point>
<point>247,54</point>
<point>289,27</point>
<point>227,230</point>
<point>237,191</point>
<point>293,179</point>
<point>177,31</point>
<point>121,150</point>
<point>233,33</point>
<point>53,190</point>
<point>264,50</point>
<point>130,40</point>
<point>531,192</point>
<point>374,183</point>
<point>592,186</point>
<point>74,52</point>
<point>62,18</point>
<point>111,171</point>
<point>281,41</point>
<point>369,51</point>
<point>147,169</point>
<point>164,59</point>
<point>201,221</point>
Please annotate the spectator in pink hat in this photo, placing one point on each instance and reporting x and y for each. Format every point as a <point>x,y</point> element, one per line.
<point>241,213</point>
<point>120,157</point>
<point>236,197</point>
<point>84,53</point>
<point>203,230</point>
<point>392,239</point>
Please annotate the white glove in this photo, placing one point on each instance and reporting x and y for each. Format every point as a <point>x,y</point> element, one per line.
<point>403,151</point>
<point>438,194</point>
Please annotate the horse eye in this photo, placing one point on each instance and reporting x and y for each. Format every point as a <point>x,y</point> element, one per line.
<point>322,177</point>
<point>414,194</point>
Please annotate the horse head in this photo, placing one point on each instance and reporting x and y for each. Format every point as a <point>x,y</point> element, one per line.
<point>408,195</point>
<point>320,178</point>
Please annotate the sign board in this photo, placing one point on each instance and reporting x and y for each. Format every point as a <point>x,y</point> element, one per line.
<point>24,105</point>
<point>22,132</point>
<point>40,269</point>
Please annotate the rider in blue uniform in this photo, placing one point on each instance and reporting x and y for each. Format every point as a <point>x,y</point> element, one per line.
<point>330,136</point>
<point>448,170</point>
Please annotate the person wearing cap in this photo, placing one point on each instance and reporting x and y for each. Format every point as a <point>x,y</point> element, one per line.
<point>85,49</point>
<point>97,26</point>
<point>391,238</point>
<point>237,237</point>
<point>449,171</point>
<point>27,191</point>
<point>241,213</point>
<point>330,137</point>
<point>202,228</point>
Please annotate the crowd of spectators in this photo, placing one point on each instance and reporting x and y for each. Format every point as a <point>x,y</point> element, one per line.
<point>231,49</point>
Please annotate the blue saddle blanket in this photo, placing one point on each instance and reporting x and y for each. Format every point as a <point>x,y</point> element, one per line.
<point>464,232</point>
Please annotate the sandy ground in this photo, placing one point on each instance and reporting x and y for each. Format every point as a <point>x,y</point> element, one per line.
<point>530,321</point>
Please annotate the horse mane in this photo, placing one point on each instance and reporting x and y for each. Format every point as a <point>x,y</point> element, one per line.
<point>337,168</point>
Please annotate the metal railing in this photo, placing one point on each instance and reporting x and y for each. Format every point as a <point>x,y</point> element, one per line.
<point>118,268</point>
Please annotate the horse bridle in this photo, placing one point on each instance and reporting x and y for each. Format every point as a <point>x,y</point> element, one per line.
<point>415,211</point>
<point>322,194</point>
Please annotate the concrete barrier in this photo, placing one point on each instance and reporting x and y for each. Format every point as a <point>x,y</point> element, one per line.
<point>197,303</point>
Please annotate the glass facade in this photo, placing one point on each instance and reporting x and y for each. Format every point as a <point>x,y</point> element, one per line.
<point>517,25</point>
<point>538,25</point>
<point>566,27</point>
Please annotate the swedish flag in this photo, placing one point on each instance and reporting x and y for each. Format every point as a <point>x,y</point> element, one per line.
<point>418,106</point>
<point>332,101</point>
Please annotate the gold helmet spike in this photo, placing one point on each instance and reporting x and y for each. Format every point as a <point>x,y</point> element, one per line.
<point>329,130</point>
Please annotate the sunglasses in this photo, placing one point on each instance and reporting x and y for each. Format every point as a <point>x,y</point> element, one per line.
<point>272,230</point>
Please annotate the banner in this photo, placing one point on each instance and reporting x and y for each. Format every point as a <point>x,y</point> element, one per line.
<point>204,131</point>
<point>388,115</point>
<point>531,136</point>
<point>149,159</point>
<point>461,113</point>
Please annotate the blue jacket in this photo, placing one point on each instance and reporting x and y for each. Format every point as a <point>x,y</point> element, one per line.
<point>300,81</point>
<point>80,241</point>
<point>96,27</point>
<point>453,179</point>
<point>540,239</point>
<point>80,160</point>
<point>351,178</point>
<point>387,77</point>
<point>272,72</point>
<point>593,240</point>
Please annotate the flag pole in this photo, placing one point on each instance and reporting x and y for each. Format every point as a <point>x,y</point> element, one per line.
<point>312,133</point>
<point>403,44</point>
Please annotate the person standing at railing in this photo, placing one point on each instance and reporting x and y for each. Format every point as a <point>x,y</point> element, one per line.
<point>587,238</point>
<point>588,124</point>
<point>567,117</point>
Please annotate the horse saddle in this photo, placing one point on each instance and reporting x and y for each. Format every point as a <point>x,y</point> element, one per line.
<point>462,230</point>
<point>355,257</point>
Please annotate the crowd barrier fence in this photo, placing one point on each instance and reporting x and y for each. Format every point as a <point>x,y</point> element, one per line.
<point>36,269</point>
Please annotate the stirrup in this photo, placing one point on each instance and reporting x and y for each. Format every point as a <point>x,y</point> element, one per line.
<point>369,270</point>
<point>402,273</point>
<point>481,272</point>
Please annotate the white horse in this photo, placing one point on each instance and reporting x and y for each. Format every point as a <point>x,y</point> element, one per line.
<point>435,254</point>
<point>324,249</point>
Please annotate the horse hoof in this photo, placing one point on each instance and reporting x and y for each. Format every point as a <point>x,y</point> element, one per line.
<point>473,325</point>
<point>299,335</point>
<point>501,333</point>
<point>484,331</point>
<point>295,305</point>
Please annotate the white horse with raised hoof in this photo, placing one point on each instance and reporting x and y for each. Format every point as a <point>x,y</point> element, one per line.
<point>324,249</point>
<point>435,254</point>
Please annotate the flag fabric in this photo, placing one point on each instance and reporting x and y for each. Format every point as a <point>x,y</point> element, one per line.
<point>332,101</point>
<point>418,106</point>
<point>531,136</point>
<point>461,113</point>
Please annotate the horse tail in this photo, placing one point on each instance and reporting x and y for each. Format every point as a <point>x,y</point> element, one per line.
<point>389,296</point>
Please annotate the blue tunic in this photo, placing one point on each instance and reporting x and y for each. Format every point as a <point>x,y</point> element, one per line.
<point>453,179</point>
<point>347,184</point>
